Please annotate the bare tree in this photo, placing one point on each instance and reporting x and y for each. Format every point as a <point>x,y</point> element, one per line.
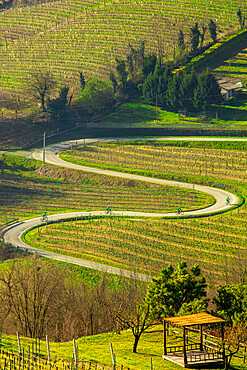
<point>128,310</point>
<point>34,294</point>
<point>138,320</point>
<point>235,335</point>
<point>40,87</point>
<point>14,102</point>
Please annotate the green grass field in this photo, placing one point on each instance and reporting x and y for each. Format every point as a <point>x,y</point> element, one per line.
<point>96,349</point>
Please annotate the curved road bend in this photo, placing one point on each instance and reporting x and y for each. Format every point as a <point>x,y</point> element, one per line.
<point>12,234</point>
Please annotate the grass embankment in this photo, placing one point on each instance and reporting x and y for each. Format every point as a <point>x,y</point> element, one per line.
<point>230,115</point>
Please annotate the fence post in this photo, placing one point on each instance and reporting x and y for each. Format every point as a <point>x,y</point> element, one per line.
<point>113,357</point>
<point>75,354</point>
<point>19,345</point>
<point>23,358</point>
<point>28,361</point>
<point>48,348</point>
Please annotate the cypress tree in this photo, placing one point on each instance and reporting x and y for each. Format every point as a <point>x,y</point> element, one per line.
<point>188,83</point>
<point>241,20</point>
<point>181,43</point>
<point>213,30</point>
<point>82,81</point>
<point>172,94</point>
<point>194,38</point>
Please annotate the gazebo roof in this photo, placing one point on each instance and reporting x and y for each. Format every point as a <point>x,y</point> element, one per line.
<point>195,319</point>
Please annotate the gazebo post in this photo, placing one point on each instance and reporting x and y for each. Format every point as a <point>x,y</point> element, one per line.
<point>222,338</point>
<point>184,345</point>
<point>201,339</point>
<point>165,350</point>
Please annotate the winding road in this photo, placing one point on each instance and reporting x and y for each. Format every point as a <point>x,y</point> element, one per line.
<point>13,234</point>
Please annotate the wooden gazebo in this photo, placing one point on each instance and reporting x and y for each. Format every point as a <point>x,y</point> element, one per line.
<point>196,355</point>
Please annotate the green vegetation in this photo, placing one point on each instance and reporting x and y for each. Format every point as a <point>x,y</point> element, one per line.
<point>182,90</point>
<point>174,289</point>
<point>147,245</point>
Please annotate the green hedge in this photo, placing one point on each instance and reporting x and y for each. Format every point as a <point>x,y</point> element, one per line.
<point>159,131</point>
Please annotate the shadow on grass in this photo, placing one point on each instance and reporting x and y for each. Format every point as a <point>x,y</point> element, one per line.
<point>136,113</point>
<point>230,114</point>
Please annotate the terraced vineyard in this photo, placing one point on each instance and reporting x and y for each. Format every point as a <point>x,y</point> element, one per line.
<point>183,158</point>
<point>70,36</point>
<point>216,243</point>
<point>44,188</point>
<point>147,245</point>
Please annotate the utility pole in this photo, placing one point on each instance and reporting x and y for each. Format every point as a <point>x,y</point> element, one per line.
<point>44,149</point>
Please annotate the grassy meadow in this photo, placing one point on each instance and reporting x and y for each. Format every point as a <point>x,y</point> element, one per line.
<point>96,349</point>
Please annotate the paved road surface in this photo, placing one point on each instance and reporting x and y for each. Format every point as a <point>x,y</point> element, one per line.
<point>13,234</point>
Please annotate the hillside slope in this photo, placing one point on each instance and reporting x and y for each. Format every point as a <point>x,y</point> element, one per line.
<point>70,36</point>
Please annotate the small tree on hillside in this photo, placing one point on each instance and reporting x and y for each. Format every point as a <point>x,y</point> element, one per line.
<point>202,34</point>
<point>40,87</point>
<point>14,102</point>
<point>213,30</point>
<point>181,43</point>
<point>97,96</point>
<point>172,93</point>
<point>241,18</point>
<point>58,107</point>
<point>187,85</point>
<point>128,310</point>
<point>122,74</point>
<point>207,92</point>
<point>82,81</point>
<point>231,303</point>
<point>156,85</point>
<point>194,38</point>
<point>234,336</point>
<point>138,319</point>
<point>174,287</point>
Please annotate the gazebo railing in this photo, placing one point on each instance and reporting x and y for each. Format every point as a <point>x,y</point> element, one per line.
<point>189,347</point>
<point>205,357</point>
